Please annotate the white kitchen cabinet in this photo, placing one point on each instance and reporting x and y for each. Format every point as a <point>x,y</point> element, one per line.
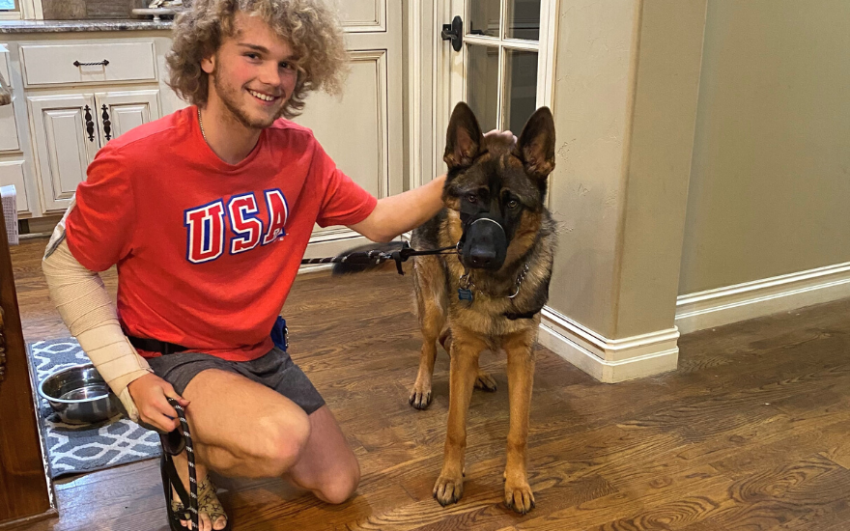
<point>69,129</point>
<point>66,140</point>
<point>125,110</point>
<point>73,62</point>
<point>72,93</point>
<point>12,172</point>
<point>12,167</point>
<point>8,125</point>
<point>8,129</point>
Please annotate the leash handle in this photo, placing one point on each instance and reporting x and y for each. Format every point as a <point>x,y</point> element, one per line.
<point>190,453</point>
<point>378,257</point>
<point>398,260</point>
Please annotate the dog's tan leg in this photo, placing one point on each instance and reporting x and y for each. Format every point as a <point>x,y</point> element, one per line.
<point>464,363</point>
<point>484,381</point>
<point>429,282</point>
<point>518,493</point>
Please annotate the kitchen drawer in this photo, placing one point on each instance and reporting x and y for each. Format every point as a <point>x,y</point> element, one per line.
<point>52,64</point>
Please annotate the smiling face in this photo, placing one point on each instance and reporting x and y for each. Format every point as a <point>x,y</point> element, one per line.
<point>252,74</point>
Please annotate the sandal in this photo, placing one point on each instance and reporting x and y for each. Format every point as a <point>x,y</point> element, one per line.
<point>186,506</point>
<point>207,500</point>
<point>178,509</point>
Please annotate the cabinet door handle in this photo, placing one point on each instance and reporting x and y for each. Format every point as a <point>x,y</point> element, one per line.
<point>107,125</point>
<point>99,63</point>
<point>89,124</point>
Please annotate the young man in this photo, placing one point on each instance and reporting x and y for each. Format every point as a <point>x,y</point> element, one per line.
<point>207,213</point>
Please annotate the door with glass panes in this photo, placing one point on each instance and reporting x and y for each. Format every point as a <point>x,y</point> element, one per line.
<point>502,67</point>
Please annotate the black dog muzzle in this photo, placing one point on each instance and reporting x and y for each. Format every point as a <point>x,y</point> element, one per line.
<point>484,243</point>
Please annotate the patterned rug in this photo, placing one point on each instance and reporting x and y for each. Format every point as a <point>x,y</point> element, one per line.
<point>79,449</point>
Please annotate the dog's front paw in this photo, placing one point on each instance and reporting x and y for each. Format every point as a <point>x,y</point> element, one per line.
<point>485,382</point>
<point>518,496</point>
<point>420,398</point>
<point>448,489</point>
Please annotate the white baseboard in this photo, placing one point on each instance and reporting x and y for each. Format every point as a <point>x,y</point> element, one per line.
<point>717,307</point>
<point>609,360</point>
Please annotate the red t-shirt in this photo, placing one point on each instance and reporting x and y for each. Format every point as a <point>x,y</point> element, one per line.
<point>207,251</point>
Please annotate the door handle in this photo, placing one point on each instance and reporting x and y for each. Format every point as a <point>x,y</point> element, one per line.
<point>89,124</point>
<point>99,63</point>
<point>453,32</point>
<point>107,125</point>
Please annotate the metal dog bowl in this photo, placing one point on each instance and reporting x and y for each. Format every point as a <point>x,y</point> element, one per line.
<point>79,395</point>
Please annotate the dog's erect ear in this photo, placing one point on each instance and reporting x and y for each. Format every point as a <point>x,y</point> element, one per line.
<point>464,140</point>
<point>536,145</point>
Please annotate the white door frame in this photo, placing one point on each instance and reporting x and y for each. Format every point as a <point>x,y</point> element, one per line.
<point>432,63</point>
<point>454,62</point>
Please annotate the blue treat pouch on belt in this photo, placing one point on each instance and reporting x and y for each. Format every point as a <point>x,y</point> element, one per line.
<point>280,334</point>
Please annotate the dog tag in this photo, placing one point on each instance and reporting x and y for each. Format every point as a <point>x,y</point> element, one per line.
<point>464,294</point>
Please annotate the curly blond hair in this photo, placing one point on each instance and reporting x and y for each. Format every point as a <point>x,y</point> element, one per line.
<point>310,28</point>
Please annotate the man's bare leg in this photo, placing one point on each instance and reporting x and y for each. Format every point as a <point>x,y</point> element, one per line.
<point>327,467</point>
<point>239,428</point>
<point>242,428</point>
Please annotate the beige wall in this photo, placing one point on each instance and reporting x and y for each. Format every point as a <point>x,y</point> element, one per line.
<point>659,157</point>
<point>592,111</point>
<point>770,183</point>
<point>625,105</point>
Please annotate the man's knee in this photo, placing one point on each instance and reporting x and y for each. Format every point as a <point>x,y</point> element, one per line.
<point>342,486</point>
<point>279,442</point>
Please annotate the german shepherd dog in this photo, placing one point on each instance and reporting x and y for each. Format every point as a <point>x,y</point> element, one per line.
<point>489,295</point>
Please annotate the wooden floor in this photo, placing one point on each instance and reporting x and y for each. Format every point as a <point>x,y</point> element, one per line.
<point>751,433</point>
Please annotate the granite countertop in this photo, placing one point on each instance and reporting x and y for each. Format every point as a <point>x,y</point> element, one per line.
<point>63,26</point>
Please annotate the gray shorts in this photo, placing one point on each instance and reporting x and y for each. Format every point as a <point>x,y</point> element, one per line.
<point>275,370</point>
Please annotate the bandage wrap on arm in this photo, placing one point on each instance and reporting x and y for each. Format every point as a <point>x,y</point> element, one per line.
<point>88,312</point>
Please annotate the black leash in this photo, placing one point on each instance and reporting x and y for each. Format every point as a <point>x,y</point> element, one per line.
<point>377,257</point>
<point>190,453</point>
